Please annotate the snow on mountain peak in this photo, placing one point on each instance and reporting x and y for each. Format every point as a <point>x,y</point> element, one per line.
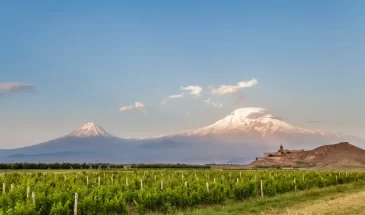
<point>249,112</point>
<point>90,129</point>
<point>248,120</point>
<point>88,125</point>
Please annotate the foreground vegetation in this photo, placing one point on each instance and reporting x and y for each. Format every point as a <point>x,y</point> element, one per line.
<point>141,191</point>
<point>287,203</point>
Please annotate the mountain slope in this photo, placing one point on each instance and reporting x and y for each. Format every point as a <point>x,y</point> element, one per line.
<point>246,120</point>
<point>338,154</point>
<point>89,143</point>
<point>259,126</point>
<point>246,133</point>
<point>93,144</point>
<point>255,120</point>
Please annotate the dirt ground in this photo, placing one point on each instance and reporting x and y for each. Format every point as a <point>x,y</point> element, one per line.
<point>339,204</point>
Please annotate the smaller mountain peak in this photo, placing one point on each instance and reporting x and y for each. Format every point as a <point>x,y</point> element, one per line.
<point>90,129</point>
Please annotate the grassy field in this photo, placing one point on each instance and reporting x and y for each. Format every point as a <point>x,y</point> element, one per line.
<point>2,172</point>
<point>183,192</point>
<point>342,199</point>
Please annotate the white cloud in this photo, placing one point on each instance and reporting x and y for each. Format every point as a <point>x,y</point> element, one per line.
<point>137,106</point>
<point>247,84</point>
<point>193,90</point>
<point>229,89</point>
<point>178,96</point>
<point>10,88</point>
<point>209,102</point>
<point>190,90</point>
<point>262,113</point>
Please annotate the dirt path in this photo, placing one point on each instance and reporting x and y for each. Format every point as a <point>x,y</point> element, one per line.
<point>339,204</point>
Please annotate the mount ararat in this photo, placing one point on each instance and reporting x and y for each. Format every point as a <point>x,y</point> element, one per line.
<point>238,138</point>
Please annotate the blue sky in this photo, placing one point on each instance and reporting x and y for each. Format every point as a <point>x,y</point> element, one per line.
<point>86,59</point>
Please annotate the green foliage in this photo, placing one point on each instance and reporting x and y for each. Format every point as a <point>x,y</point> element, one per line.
<point>120,192</point>
<point>103,166</point>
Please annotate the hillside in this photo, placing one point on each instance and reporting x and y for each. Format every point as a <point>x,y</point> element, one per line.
<point>338,154</point>
<point>341,154</point>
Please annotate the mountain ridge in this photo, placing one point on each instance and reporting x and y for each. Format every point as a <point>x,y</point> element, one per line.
<point>254,119</point>
<point>240,137</point>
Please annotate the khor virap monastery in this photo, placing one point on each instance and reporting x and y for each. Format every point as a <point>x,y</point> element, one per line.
<point>280,153</point>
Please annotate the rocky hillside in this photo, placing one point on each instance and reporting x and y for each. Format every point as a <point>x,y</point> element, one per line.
<point>341,154</point>
<point>337,154</point>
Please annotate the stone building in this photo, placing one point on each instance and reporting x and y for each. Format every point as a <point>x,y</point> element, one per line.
<point>281,152</point>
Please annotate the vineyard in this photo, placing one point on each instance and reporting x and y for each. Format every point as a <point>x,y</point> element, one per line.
<point>126,192</point>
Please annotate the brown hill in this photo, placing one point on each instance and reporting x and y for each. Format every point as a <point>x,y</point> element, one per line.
<point>337,154</point>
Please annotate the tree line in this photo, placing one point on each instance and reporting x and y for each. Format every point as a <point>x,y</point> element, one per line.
<point>103,166</point>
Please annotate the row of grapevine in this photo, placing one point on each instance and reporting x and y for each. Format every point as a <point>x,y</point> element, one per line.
<point>121,192</point>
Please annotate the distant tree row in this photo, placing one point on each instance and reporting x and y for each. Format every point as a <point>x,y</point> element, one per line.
<point>18,166</point>
<point>169,166</point>
<point>58,166</point>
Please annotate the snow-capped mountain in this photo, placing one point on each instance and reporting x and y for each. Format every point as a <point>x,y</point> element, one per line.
<point>248,132</point>
<point>256,121</point>
<point>90,129</point>
<point>239,137</point>
<point>89,143</point>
